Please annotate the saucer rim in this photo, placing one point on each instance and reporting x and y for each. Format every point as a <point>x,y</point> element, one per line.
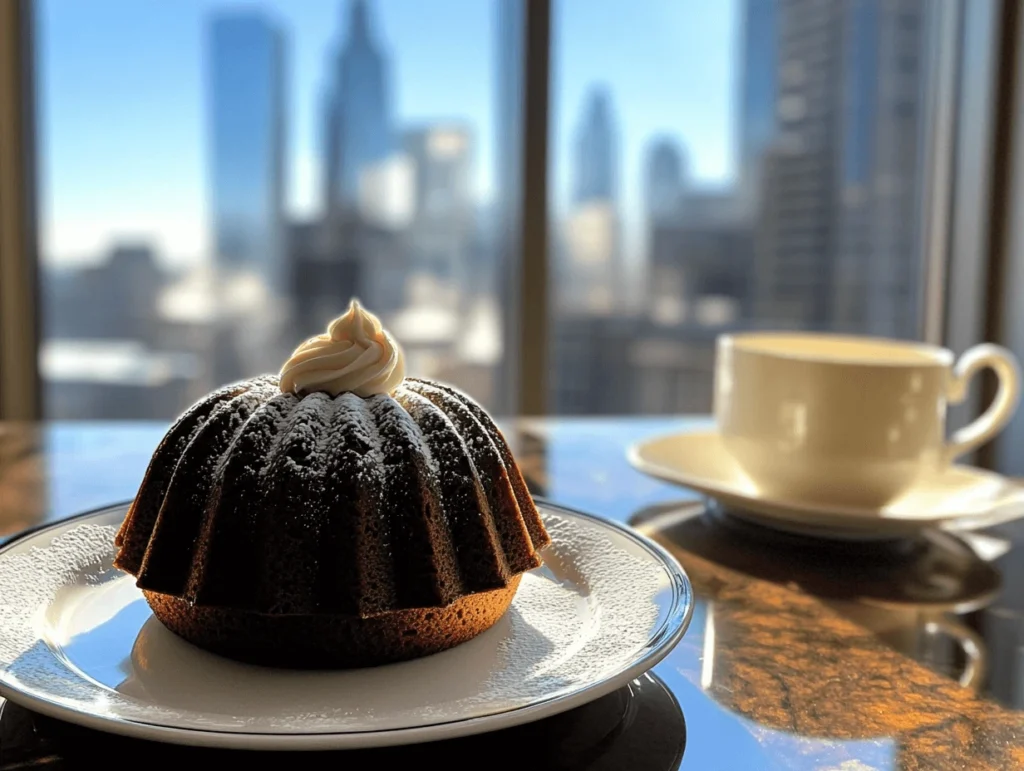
<point>661,641</point>
<point>859,518</point>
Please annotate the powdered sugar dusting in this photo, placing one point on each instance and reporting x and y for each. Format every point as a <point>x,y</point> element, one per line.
<point>429,420</point>
<point>31,580</point>
<point>479,446</point>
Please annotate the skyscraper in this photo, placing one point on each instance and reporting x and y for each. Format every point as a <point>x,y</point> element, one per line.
<point>440,154</point>
<point>796,226</point>
<point>246,101</point>
<point>596,151</point>
<point>895,263</point>
<point>359,130</point>
<point>664,180</point>
<point>759,82</point>
<point>858,89</point>
<point>836,228</point>
<point>591,274</point>
<point>442,217</point>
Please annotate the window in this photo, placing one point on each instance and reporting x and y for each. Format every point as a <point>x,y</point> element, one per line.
<point>725,166</point>
<point>1008,454</point>
<point>219,178</point>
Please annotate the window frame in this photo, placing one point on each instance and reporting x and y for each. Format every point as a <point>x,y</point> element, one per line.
<point>20,385</point>
<point>529,318</point>
<point>976,207</point>
<point>1006,313</point>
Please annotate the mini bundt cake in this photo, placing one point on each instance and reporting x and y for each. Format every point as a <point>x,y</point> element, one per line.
<point>339,515</point>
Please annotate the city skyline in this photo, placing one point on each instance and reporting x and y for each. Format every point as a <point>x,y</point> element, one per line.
<point>80,219</point>
<point>648,263</point>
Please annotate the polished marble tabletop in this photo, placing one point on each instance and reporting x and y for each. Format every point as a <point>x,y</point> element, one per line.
<point>801,654</point>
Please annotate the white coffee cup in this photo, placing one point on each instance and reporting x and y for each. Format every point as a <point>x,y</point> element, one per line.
<point>851,421</point>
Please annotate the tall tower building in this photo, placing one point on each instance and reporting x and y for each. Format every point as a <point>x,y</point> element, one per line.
<point>442,211</point>
<point>859,106</point>
<point>596,151</point>
<point>795,239</point>
<point>758,89</point>
<point>894,262</point>
<point>359,129</point>
<point>246,112</point>
<point>836,231</point>
<point>592,278</point>
<point>664,180</point>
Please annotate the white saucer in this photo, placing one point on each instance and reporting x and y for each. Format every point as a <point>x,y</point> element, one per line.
<point>961,498</point>
<point>77,642</point>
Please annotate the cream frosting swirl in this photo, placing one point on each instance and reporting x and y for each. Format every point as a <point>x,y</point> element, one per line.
<point>356,355</point>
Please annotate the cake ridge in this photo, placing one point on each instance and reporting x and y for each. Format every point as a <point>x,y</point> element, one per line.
<point>291,488</point>
<point>345,496</point>
<point>163,568</point>
<point>427,570</point>
<point>482,564</point>
<point>528,509</point>
<point>193,418</point>
<point>280,421</point>
<point>492,475</point>
<point>283,409</point>
<point>232,570</point>
<point>132,537</point>
<point>377,569</point>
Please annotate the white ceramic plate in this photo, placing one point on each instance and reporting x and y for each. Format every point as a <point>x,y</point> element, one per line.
<point>77,642</point>
<point>960,498</point>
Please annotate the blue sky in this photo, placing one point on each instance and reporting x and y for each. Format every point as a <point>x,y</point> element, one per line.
<point>122,91</point>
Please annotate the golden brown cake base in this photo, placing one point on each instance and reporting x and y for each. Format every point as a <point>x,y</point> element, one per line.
<point>332,641</point>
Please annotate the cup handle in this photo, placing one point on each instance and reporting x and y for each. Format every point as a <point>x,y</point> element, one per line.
<point>1003,406</point>
<point>971,644</point>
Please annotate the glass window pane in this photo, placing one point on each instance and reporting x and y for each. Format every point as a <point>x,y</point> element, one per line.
<point>728,165</point>
<point>219,178</point>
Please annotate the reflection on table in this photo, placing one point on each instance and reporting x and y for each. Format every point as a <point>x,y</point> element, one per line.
<point>639,727</point>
